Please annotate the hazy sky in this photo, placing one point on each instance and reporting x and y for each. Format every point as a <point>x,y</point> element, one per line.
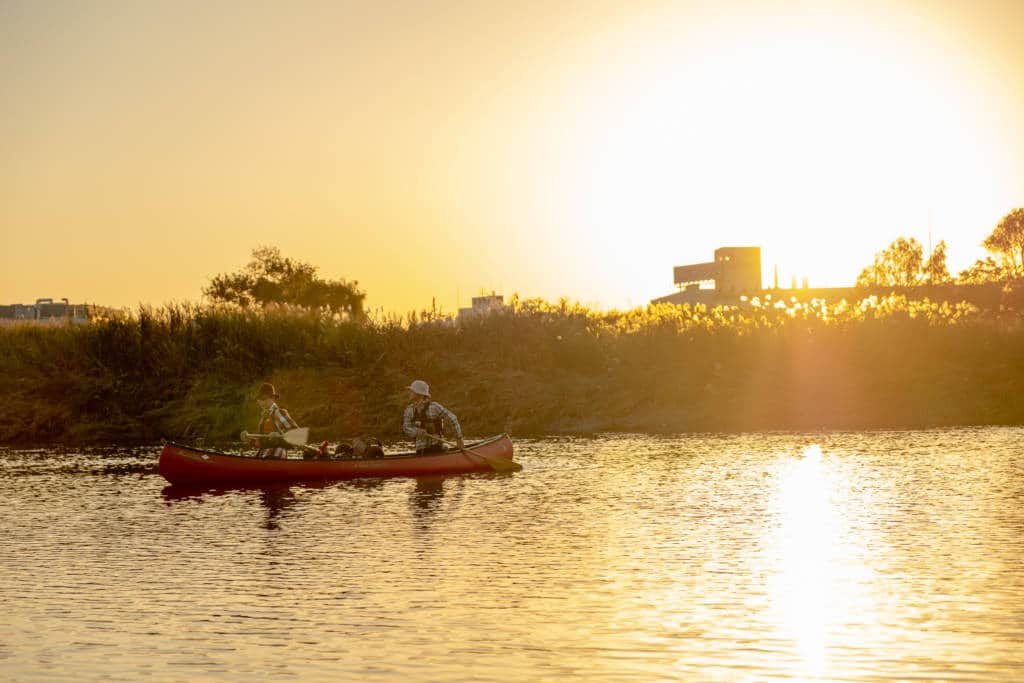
<point>438,149</point>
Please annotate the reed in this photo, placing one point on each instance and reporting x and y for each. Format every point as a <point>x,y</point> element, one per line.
<point>187,372</point>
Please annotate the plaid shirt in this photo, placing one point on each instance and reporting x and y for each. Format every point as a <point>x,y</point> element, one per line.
<point>433,411</point>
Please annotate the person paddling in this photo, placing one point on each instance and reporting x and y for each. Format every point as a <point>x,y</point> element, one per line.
<point>425,418</point>
<point>273,420</point>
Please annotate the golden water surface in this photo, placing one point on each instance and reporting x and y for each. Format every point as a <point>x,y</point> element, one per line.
<point>860,556</point>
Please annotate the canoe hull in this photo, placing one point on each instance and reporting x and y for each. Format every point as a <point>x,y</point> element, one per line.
<point>185,465</point>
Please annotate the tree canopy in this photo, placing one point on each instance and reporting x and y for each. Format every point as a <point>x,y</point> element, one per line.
<point>902,264</point>
<point>1007,242</point>
<point>935,270</point>
<point>270,278</point>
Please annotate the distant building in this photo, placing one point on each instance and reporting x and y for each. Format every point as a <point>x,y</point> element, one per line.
<point>735,272</point>
<point>483,305</point>
<point>47,310</point>
<point>735,276</point>
<point>17,312</point>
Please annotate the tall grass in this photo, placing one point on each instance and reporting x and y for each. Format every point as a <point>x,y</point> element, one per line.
<point>185,371</point>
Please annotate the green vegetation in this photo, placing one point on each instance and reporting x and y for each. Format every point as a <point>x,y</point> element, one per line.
<point>187,372</point>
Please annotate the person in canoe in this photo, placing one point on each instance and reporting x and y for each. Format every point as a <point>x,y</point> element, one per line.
<point>273,420</point>
<point>426,420</point>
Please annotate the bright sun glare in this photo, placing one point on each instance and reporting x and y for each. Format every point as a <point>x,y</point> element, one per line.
<point>800,141</point>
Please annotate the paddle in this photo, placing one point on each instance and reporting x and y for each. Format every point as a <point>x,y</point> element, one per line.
<point>295,437</point>
<point>496,464</point>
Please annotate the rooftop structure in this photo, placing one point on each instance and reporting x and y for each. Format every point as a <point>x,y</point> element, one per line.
<point>734,277</point>
<point>736,271</point>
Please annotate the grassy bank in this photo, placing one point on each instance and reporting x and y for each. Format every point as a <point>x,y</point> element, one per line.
<point>186,372</point>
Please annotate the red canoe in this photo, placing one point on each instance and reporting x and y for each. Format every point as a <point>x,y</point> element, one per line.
<point>186,465</point>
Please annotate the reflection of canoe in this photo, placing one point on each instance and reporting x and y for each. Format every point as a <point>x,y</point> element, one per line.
<point>181,464</point>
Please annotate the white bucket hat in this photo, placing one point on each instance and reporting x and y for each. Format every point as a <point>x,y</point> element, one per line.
<point>420,387</point>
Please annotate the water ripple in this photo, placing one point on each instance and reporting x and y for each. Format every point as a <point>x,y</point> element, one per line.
<point>841,556</point>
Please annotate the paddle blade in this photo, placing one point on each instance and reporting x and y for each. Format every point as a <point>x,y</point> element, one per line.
<point>495,463</point>
<point>503,465</point>
<point>297,436</point>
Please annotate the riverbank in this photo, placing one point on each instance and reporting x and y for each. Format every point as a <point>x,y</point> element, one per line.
<point>189,373</point>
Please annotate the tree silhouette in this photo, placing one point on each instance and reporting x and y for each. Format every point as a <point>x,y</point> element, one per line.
<point>898,265</point>
<point>935,271</point>
<point>983,270</point>
<point>271,278</point>
<point>1007,243</point>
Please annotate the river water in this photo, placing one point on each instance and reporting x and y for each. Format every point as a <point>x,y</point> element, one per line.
<point>847,556</point>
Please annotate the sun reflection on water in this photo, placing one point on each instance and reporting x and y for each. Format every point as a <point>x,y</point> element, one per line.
<point>806,586</point>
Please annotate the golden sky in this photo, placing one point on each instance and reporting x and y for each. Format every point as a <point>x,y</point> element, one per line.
<point>440,149</point>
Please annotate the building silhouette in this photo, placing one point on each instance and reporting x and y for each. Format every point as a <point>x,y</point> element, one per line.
<point>48,310</point>
<point>734,277</point>
<point>482,305</point>
<point>735,272</point>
